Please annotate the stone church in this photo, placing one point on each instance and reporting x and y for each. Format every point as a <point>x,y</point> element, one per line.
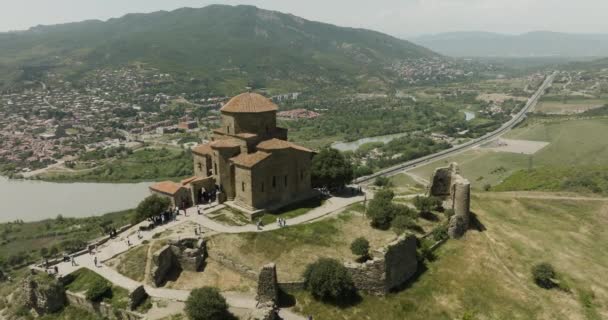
<point>249,162</point>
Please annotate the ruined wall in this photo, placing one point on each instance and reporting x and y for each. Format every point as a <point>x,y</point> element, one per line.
<point>107,311</point>
<point>137,296</point>
<point>186,254</point>
<point>391,267</point>
<point>457,194</point>
<point>43,296</point>
<point>268,288</point>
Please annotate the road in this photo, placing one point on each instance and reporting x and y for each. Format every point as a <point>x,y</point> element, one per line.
<point>519,117</point>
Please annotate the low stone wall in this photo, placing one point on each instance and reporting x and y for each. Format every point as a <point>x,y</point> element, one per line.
<point>391,267</point>
<point>105,310</point>
<point>44,297</point>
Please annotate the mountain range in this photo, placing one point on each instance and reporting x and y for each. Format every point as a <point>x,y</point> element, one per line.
<point>532,44</point>
<point>204,41</point>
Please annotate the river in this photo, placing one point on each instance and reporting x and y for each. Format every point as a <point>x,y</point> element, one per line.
<point>30,200</point>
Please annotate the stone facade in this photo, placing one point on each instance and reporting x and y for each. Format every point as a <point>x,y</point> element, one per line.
<point>249,161</point>
<point>267,311</point>
<point>390,268</point>
<point>185,254</point>
<point>43,296</point>
<point>268,288</point>
<point>447,183</point>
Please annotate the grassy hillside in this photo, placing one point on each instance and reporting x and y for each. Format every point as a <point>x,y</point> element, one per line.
<point>487,274</point>
<point>573,143</point>
<point>217,41</point>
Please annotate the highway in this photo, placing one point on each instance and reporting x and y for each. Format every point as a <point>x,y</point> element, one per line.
<point>507,126</point>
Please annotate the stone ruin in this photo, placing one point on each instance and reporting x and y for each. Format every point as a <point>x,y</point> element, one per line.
<point>137,296</point>
<point>43,296</point>
<point>390,268</point>
<point>448,184</point>
<point>268,295</point>
<point>186,254</point>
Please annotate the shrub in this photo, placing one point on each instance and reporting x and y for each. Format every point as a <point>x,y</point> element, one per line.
<point>381,210</point>
<point>402,223</point>
<point>360,247</point>
<point>487,187</point>
<point>382,182</point>
<point>440,233</point>
<point>331,169</point>
<point>328,280</point>
<point>98,290</point>
<point>543,275</point>
<point>207,304</point>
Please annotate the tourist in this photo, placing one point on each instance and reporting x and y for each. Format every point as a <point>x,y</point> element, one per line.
<point>56,270</point>
<point>279,222</point>
<point>195,231</point>
<point>95,261</point>
<point>198,209</point>
<point>128,242</point>
<point>73,261</point>
<point>284,223</point>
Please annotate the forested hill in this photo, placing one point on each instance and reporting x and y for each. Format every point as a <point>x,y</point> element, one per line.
<point>207,40</point>
<point>531,44</point>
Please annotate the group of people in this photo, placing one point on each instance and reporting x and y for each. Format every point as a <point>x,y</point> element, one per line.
<point>281,222</point>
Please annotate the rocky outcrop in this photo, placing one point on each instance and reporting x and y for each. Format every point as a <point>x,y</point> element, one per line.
<point>390,268</point>
<point>43,295</point>
<point>268,288</point>
<point>447,183</point>
<point>186,254</point>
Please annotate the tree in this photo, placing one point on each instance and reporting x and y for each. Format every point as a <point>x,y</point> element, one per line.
<point>381,210</point>
<point>360,247</point>
<point>382,182</point>
<point>543,275</point>
<point>99,289</point>
<point>207,303</point>
<point>427,204</point>
<point>150,207</point>
<point>328,280</point>
<point>330,168</point>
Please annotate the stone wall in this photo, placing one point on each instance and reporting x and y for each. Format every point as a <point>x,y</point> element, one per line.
<point>107,311</point>
<point>447,183</point>
<point>186,254</point>
<point>43,296</point>
<point>391,267</point>
<point>268,288</point>
<point>137,296</point>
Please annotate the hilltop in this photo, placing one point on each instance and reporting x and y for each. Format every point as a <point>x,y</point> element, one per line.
<point>217,41</point>
<point>531,44</point>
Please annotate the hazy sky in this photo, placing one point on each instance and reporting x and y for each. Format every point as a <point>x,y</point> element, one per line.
<point>397,17</point>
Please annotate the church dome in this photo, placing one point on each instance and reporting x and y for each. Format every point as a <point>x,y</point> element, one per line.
<point>249,102</point>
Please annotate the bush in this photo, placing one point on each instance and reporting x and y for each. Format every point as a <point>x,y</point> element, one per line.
<point>543,275</point>
<point>440,233</point>
<point>328,280</point>
<point>402,223</point>
<point>360,247</point>
<point>331,169</point>
<point>207,304</point>
<point>382,182</point>
<point>98,290</point>
<point>381,209</point>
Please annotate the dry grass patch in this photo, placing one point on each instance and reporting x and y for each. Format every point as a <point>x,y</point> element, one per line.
<point>214,275</point>
<point>293,248</point>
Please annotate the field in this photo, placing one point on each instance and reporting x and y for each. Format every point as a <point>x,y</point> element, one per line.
<point>572,143</point>
<point>487,274</point>
<point>569,106</point>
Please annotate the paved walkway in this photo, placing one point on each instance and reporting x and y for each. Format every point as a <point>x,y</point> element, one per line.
<point>129,239</point>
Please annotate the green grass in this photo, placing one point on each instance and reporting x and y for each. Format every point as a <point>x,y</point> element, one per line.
<point>25,240</point>
<point>486,275</point>
<point>582,179</point>
<point>142,165</point>
<point>83,280</point>
<point>572,143</point>
<point>133,263</point>
<point>231,217</point>
<point>292,211</point>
